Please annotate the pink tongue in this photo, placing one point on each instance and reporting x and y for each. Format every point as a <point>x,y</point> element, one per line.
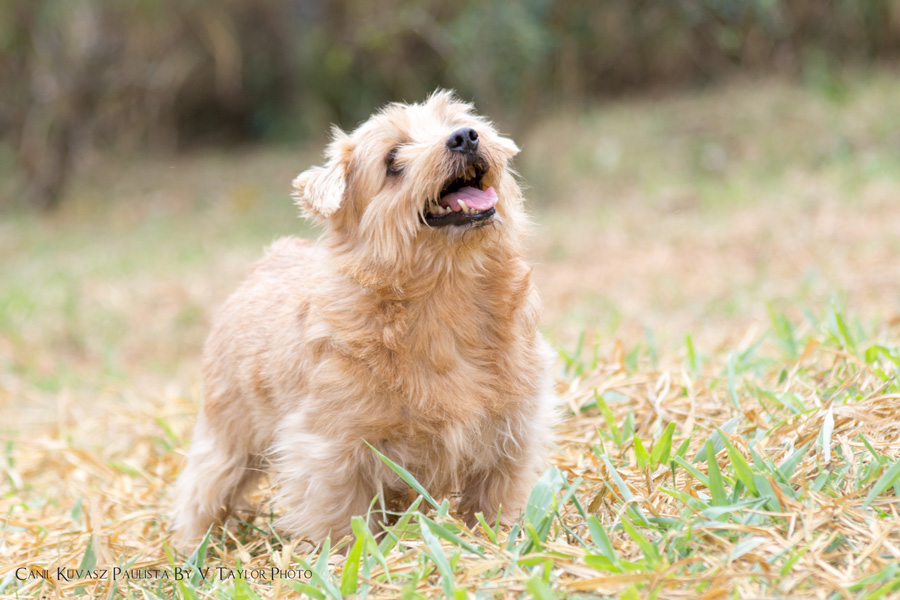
<point>473,197</point>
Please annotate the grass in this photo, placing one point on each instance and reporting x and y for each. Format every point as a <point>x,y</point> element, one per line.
<point>718,277</point>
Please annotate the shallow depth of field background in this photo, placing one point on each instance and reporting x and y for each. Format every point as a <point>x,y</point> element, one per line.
<point>716,195</point>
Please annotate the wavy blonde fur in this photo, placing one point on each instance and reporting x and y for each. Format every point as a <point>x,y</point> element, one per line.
<point>421,341</point>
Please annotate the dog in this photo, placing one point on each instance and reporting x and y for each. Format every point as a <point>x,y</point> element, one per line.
<point>411,326</point>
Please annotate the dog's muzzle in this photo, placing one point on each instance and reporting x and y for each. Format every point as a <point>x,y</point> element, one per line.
<point>463,199</point>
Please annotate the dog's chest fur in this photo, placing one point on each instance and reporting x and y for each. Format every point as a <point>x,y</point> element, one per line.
<point>442,374</point>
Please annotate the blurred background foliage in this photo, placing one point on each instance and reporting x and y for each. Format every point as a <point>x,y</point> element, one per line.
<point>165,75</point>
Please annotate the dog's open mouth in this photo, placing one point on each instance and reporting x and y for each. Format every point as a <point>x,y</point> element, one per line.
<point>462,201</point>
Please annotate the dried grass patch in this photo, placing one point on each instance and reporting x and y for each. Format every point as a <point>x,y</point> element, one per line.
<point>812,433</point>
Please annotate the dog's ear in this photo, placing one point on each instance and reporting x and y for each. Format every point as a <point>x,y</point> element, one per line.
<point>508,146</point>
<point>319,191</point>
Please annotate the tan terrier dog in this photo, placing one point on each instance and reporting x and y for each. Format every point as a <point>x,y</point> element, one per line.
<point>410,325</point>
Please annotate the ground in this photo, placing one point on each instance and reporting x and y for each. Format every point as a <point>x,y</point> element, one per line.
<point>719,276</point>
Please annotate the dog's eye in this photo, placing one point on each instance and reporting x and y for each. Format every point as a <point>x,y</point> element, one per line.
<point>392,168</point>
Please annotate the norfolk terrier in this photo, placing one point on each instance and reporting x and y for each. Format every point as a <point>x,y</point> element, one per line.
<point>411,325</point>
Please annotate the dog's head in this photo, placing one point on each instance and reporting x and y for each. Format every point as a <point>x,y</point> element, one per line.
<point>430,175</point>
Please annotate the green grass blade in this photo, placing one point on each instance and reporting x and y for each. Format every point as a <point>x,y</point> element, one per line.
<point>643,457</point>
<point>405,476</point>
<point>394,533</point>
<point>739,464</point>
<point>823,440</point>
<point>198,558</point>
<point>435,552</point>
<point>539,589</point>
<point>716,439</point>
<point>309,590</point>
<point>692,362</point>
<point>849,342</point>
<point>883,483</point>
<point>492,535</point>
<point>608,418</point>
<point>875,454</point>
<point>540,501</point>
<point>601,563</point>
<point>732,387</point>
<point>188,592</point>
<point>88,562</point>
<point>783,330</point>
<point>765,490</point>
<point>681,452</point>
<point>649,550</point>
<point>320,572</point>
<point>350,574</point>
<point>716,484</point>
<point>361,530</point>
<point>243,591</point>
<point>714,512</point>
<point>625,491</point>
<point>663,448</point>
<point>628,426</point>
<point>601,539</point>
<point>744,546</point>
<point>451,537</point>
<point>692,470</point>
<point>790,464</point>
<point>788,565</point>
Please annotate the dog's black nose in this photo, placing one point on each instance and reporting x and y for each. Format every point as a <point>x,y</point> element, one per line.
<point>463,140</point>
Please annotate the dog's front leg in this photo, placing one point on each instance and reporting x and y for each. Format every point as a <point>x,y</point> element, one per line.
<point>503,485</point>
<point>322,481</point>
<point>503,490</point>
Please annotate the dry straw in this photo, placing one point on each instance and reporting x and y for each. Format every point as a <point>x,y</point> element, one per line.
<point>800,500</point>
